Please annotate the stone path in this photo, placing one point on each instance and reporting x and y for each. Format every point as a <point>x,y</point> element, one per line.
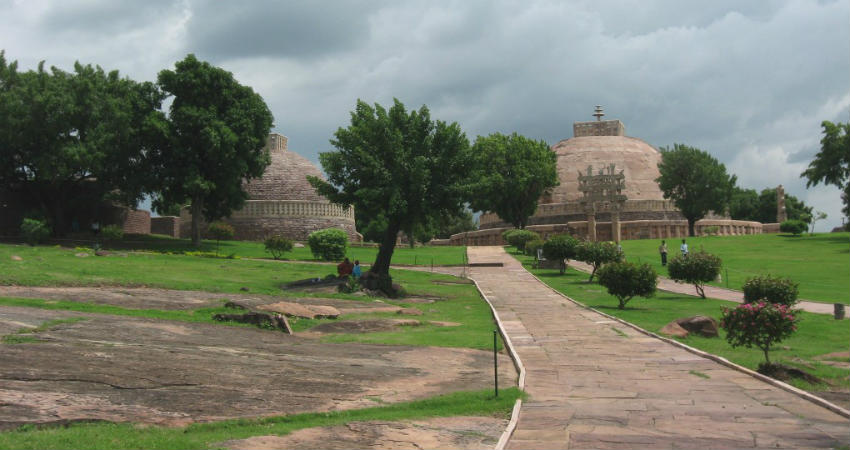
<point>595,383</point>
<point>666,284</point>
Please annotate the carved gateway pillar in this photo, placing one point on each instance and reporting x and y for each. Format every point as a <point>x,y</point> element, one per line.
<point>781,214</point>
<point>602,191</point>
<point>615,225</point>
<point>591,225</point>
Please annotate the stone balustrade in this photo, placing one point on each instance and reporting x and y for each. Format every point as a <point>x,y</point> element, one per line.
<point>292,208</point>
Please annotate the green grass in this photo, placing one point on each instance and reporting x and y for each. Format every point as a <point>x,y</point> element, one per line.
<point>819,263</point>
<point>403,255</point>
<point>817,334</point>
<point>52,266</point>
<point>25,335</point>
<point>198,436</point>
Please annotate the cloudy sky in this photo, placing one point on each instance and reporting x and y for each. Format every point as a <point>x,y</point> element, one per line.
<point>748,82</point>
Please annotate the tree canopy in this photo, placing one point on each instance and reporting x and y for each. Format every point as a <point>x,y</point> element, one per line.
<point>215,139</point>
<point>747,204</point>
<point>402,166</point>
<point>695,181</point>
<point>511,173</point>
<point>831,164</point>
<point>70,140</point>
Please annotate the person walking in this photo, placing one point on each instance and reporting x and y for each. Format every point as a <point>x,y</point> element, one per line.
<point>662,249</point>
<point>356,271</point>
<point>684,248</point>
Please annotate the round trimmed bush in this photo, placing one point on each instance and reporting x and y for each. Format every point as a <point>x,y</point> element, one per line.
<point>597,253</point>
<point>697,268</point>
<point>626,280</point>
<point>795,227</point>
<point>329,244</point>
<point>277,245</point>
<point>532,246</point>
<point>560,248</point>
<point>112,232</point>
<point>34,231</point>
<point>765,288</point>
<point>519,237</point>
<point>759,324</point>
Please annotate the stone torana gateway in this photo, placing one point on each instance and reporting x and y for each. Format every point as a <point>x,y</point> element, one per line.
<point>283,202</point>
<point>608,192</point>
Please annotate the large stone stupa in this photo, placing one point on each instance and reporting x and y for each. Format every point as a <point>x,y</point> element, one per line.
<point>283,202</point>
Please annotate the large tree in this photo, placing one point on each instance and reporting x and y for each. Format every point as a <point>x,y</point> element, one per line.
<point>511,173</point>
<point>832,163</point>
<point>398,165</point>
<point>695,181</point>
<point>217,130</point>
<point>70,140</point>
<point>747,204</point>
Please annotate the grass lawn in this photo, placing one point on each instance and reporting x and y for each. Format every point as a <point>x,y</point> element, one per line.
<point>817,334</point>
<point>204,435</point>
<point>55,266</point>
<point>403,255</point>
<point>819,263</point>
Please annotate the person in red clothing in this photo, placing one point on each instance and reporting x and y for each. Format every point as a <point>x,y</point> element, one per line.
<point>344,268</point>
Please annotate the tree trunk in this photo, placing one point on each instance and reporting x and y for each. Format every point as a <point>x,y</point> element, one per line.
<point>766,358</point>
<point>385,251</point>
<point>197,211</point>
<point>700,290</point>
<point>691,223</point>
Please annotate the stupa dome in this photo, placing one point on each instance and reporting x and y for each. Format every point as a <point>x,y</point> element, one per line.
<point>285,177</point>
<point>637,159</point>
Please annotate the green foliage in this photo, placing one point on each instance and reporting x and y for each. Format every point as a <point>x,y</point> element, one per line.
<point>215,138</point>
<point>597,253</point>
<point>795,227</point>
<point>831,164</point>
<point>277,245</point>
<point>34,231</point>
<point>511,173</point>
<point>746,204</point>
<point>519,237</point>
<point>507,234</point>
<point>533,245</point>
<point>560,248</point>
<point>329,244</point>
<point>112,232</point>
<point>220,231</point>
<point>759,324</point>
<point>402,166</point>
<point>351,285</point>
<point>625,280</point>
<point>695,181</point>
<point>697,268</point>
<point>70,140</point>
<point>766,288</point>
<point>711,230</point>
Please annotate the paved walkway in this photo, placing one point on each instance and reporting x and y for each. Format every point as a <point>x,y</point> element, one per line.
<point>594,383</point>
<point>666,284</point>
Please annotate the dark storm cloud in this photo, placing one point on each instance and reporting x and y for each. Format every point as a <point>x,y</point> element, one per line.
<point>104,18</point>
<point>295,29</point>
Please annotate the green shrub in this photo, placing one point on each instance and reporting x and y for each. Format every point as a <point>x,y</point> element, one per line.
<point>507,233</point>
<point>329,244</point>
<point>220,231</point>
<point>519,238</point>
<point>765,288</point>
<point>34,231</point>
<point>712,230</point>
<point>758,324</point>
<point>277,245</point>
<point>560,248</point>
<point>597,253</point>
<point>112,232</point>
<point>697,268</point>
<point>795,227</point>
<point>532,246</point>
<point>350,286</point>
<point>626,280</point>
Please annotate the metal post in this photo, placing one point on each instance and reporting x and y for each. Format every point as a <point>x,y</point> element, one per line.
<point>727,278</point>
<point>496,361</point>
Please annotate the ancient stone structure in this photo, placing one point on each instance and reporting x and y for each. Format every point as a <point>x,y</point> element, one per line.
<point>166,225</point>
<point>640,212</point>
<point>781,214</point>
<point>283,202</point>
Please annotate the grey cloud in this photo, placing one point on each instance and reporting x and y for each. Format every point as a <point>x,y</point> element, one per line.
<point>104,17</point>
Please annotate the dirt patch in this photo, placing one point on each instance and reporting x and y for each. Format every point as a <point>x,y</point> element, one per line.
<point>143,370</point>
<point>363,326</point>
<point>437,433</point>
<point>782,372</point>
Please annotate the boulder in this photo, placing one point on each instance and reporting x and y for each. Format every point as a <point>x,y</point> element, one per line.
<point>700,325</point>
<point>303,311</point>
<point>261,320</point>
<point>409,312</point>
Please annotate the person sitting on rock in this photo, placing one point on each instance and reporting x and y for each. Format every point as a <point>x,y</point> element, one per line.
<point>344,268</point>
<point>357,271</point>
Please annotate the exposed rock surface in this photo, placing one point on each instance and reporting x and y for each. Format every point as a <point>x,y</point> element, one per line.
<point>303,311</point>
<point>700,325</point>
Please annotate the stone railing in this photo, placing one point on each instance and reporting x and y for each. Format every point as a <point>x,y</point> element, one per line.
<point>292,208</point>
<point>558,209</point>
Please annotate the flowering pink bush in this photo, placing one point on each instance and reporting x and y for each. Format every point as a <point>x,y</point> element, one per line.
<point>759,324</point>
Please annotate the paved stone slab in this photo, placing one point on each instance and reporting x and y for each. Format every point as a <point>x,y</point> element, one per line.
<point>591,387</point>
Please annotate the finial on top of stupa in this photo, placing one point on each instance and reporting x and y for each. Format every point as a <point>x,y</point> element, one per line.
<point>598,113</point>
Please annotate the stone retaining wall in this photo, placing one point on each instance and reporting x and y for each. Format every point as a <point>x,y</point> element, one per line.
<point>167,225</point>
